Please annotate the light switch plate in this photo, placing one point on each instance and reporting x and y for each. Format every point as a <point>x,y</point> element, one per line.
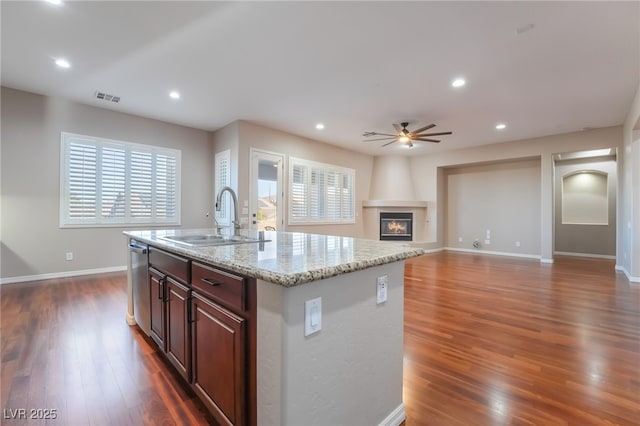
<point>312,316</point>
<point>382,289</point>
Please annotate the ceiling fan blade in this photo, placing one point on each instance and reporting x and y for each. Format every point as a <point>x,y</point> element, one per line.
<point>377,134</point>
<point>415,132</point>
<point>378,139</point>
<point>397,127</point>
<point>433,134</point>
<point>426,140</point>
<point>389,143</point>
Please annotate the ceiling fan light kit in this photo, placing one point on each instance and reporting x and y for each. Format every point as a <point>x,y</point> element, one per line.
<point>404,136</point>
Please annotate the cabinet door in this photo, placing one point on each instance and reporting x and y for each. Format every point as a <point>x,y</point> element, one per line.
<point>157,280</point>
<point>219,372</point>
<point>177,338</point>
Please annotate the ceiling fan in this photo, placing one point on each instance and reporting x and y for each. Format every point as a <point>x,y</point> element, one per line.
<point>404,136</point>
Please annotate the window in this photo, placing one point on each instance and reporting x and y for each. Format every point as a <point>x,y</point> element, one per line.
<point>113,183</point>
<point>222,179</point>
<point>320,193</point>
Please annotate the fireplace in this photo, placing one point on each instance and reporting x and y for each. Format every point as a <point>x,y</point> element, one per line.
<point>396,226</point>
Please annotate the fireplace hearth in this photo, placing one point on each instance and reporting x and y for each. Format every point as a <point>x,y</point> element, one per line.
<point>396,226</point>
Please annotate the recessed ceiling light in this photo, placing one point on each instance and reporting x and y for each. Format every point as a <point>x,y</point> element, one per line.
<point>458,82</point>
<point>174,95</point>
<point>319,126</point>
<point>55,2</point>
<point>501,126</point>
<point>63,63</point>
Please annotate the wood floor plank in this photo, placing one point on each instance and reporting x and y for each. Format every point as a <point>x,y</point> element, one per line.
<point>492,340</point>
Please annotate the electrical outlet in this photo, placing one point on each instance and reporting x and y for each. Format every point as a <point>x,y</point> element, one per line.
<point>487,242</point>
<point>459,239</point>
<point>69,255</point>
<point>382,289</point>
<point>517,243</point>
<point>312,316</point>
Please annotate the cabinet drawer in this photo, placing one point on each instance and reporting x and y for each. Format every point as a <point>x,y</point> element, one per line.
<point>223,287</point>
<point>170,264</point>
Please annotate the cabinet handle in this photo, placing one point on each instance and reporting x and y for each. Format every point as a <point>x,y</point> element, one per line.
<point>161,288</point>
<point>211,281</point>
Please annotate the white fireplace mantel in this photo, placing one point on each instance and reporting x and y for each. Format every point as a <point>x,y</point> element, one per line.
<point>394,203</point>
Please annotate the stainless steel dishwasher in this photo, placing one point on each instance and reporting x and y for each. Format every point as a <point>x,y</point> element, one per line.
<point>140,283</point>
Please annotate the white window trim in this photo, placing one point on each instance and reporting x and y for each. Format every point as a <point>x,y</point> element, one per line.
<point>326,168</point>
<point>127,221</point>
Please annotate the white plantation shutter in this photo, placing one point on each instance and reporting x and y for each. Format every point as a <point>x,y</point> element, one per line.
<point>348,196</point>
<point>317,195</point>
<point>113,183</point>
<point>298,197</point>
<point>222,179</point>
<point>141,184</point>
<point>320,193</point>
<point>81,172</point>
<point>333,196</point>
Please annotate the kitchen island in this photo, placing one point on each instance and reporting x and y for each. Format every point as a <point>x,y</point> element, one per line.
<point>339,364</point>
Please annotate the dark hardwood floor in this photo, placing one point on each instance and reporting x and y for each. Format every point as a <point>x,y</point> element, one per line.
<point>505,341</point>
<point>67,347</point>
<point>488,341</point>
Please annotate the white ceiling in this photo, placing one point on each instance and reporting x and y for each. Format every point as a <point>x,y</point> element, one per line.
<point>355,66</point>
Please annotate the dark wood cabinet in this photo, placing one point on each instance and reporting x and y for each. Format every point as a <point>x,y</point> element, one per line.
<point>178,342</point>
<point>157,280</point>
<point>204,320</point>
<point>219,350</point>
<point>170,293</point>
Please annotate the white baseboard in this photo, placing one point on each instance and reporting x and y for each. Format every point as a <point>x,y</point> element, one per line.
<point>546,260</point>
<point>431,250</point>
<point>598,256</point>
<point>495,253</point>
<point>40,277</point>
<point>395,418</point>
<point>627,274</point>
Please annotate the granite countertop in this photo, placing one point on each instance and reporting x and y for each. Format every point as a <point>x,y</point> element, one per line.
<point>289,258</point>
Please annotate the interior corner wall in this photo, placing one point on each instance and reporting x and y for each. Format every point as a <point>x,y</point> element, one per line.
<point>424,169</point>
<point>223,139</point>
<point>586,239</point>
<point>33,244</point>
<point>254,136</point>
<point>628,258</point>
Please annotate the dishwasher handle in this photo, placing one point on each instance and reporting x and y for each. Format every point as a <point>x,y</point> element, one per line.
<point>137,248</point>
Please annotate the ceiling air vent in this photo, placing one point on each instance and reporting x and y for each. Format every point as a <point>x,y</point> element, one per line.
<point>107,97</point>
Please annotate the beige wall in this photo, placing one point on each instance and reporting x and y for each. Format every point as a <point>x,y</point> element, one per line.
<point>32,241</point>
<point>502,198</point>
<point>254,136</point>
<point>586,239</point>
<point>391,179</point>
<point>428,176</point>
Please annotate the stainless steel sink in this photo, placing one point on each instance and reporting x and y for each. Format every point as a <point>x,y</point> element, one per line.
<point>210,240</point>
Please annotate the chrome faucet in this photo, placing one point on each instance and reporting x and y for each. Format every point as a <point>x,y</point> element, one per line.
<point>236,221</point>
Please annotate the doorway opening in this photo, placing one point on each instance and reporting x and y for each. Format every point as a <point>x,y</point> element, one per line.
<point>267,192</point>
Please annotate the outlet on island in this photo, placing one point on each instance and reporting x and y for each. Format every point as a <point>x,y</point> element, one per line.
<point>312,316</point>
<point>382,289</point>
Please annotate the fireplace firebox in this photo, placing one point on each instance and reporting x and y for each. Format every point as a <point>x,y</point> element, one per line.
<point>396,226</point>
